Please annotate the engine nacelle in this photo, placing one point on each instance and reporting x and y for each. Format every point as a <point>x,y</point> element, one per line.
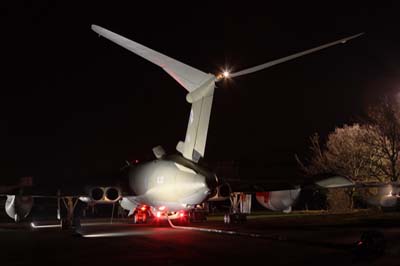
<point>102,195</point>
<point>18,207</point>
<point>281,200</point>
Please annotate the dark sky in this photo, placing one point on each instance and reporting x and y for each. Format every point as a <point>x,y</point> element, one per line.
<point>75,105</point>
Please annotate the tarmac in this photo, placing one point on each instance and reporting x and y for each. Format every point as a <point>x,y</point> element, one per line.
<point>296,239</point>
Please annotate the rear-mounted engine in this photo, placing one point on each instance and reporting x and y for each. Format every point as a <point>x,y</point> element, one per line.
<point>104,194</point>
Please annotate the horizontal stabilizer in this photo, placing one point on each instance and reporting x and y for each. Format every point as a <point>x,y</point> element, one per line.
<point>290,57</point>
<point>200,87</point>
<point>189,77</point>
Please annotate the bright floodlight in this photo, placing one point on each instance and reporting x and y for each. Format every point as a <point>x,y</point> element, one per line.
<point>224,74</point>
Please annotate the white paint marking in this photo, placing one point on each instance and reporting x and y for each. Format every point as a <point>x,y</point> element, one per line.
<point>218,231</point>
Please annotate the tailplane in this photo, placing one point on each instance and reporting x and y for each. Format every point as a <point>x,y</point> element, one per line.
<point>200,86</point>
<point>189,77</point>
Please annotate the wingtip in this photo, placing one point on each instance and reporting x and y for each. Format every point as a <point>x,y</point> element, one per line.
<point>356,35</point>
<point>352,37</point>
<point>96,28</point>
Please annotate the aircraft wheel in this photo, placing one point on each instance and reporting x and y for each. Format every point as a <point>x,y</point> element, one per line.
<point>135,218</point>
<point>186,221</point>
<point>76,223</point>
<point>227,218</point>
<point>65,224</point>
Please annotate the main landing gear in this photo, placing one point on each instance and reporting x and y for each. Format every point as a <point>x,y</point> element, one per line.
<point>240,208</point>
<point>70,221</point>
<point>141,215</point>
<point>144,215</point>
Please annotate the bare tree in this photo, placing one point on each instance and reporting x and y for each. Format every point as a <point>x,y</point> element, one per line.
<point>339,200</point>
<point>348,152</point>
<point>384,118</point>
<point>317,162</point>
<point>363,153</point>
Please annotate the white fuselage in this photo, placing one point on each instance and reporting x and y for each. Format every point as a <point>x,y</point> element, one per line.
<point>163,183</point>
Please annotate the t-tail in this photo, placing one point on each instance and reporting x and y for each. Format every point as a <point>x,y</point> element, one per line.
<point>200,87</point>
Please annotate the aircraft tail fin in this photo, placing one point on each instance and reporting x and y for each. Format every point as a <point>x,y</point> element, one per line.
<point>196,134</point>
<point>199,85</point>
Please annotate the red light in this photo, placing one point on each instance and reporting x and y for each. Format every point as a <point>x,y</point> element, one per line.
<point>181,214</point>
<point>143,208</point>
<point>158,214</point>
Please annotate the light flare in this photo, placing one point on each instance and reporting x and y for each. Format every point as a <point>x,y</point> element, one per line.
<point>224,74</point>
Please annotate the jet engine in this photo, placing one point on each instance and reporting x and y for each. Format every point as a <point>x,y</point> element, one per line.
<point>112,194</point>
<point>281,200</point>
<point>18,207</point>
<point>102,195</point>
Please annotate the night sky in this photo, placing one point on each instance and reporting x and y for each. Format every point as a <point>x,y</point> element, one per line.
<point>74,105</point>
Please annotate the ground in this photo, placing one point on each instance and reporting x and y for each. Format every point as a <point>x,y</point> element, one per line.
<point>298,239</point>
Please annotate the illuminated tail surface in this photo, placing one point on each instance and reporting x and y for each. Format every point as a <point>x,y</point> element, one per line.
<point>200,86</point>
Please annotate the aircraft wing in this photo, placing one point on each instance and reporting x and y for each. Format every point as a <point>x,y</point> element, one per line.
<point>25,187</point>
<point>260,185</point>
<point>70,190</point>
<point>24,182</point>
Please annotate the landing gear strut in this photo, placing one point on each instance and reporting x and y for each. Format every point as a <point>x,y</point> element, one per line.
<point>140,216</point>
<point>69,221</point>
<point>240,208</point>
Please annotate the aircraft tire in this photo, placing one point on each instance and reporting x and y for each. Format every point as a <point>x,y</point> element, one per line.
<point>227,218</point>
<point>65,224</point>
